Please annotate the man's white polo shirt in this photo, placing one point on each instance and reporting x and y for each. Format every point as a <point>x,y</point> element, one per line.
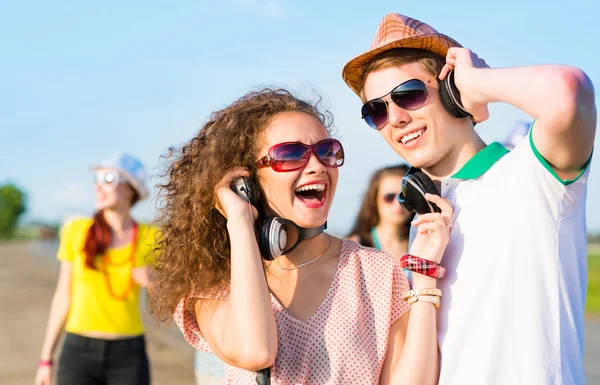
<point>514,294</point>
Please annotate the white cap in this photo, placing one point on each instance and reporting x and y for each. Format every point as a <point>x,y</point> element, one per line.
<point>131,169</point>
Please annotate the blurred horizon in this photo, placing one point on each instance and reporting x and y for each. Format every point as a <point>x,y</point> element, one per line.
<point>83,80</point>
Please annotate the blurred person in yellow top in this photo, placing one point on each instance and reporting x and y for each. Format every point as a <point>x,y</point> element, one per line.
<point>104,262</point>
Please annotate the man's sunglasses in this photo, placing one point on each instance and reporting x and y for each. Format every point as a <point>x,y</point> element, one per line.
<point>410,95</point>
<point>291,156</point>
<point>107,179</point>
<point>389,197</point>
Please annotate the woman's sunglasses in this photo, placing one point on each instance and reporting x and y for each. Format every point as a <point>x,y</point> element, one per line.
<point>410,95</point>
<point>291,156</point>
<point>389,197</point>
<point>107,179</point>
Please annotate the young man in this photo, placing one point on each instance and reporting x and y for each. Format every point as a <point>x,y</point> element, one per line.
<point>514,293</point>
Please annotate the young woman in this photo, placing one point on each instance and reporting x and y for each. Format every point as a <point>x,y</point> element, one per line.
<point>103,265</point>
<point>382,223</point>
<point>327,311</point>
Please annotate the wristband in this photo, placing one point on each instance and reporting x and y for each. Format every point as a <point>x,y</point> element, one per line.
<point>422,266</point>
<point>45,363</point>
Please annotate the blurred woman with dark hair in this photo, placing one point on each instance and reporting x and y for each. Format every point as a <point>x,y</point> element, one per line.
<point>103,265</point>
<point>382,223</point>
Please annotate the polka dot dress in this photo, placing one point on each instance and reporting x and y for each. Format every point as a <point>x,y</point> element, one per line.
<point>345,341</point>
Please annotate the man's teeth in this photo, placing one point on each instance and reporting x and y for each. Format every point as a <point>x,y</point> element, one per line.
<point>316,187</point>
<point>412,135</point>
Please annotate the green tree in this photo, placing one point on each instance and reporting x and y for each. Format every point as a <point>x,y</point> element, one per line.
<point>12,206</point>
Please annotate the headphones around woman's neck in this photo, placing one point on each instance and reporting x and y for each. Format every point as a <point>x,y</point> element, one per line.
<point>274,232</point>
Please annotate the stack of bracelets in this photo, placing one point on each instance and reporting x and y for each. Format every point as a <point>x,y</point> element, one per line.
<point>425,267</point>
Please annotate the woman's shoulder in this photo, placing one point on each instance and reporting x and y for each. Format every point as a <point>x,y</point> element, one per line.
<point>376,270</point>
<point>148,238</point>
<point>148,231</point>
<point>76,225</point>
<point>366,255</point>
<point>353,237</point>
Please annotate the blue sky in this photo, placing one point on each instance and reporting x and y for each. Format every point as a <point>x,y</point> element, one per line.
<point>81,79</point>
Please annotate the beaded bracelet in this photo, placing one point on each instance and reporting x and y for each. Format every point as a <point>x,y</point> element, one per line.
<point>422,266</point>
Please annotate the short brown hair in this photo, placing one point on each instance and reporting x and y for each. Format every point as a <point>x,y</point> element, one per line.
<point>431,62</point>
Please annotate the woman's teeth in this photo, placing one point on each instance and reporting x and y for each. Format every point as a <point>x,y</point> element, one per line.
<point>314,186</point>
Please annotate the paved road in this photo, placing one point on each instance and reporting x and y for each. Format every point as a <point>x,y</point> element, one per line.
<point>592,351</point>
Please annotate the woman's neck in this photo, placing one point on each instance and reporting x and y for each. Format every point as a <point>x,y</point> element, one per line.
<point>305,252</point>
<point>390,236</point>
<point>118,221</point>
<point>388,231</point>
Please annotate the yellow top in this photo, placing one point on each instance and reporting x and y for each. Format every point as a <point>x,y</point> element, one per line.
<point>93,307</point>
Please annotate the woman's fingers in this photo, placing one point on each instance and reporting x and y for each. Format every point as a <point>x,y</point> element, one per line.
<point>430,227</point>
<point>224,186</point>
<point>232,174</point>
<point>424,218</point>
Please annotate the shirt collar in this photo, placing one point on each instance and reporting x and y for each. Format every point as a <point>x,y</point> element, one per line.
<point>481,162</point>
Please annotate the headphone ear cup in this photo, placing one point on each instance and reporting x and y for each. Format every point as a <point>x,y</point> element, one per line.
<point>404,202</point>
<point>425,183</point>
<point>272,238</point>
<point>450,97</point>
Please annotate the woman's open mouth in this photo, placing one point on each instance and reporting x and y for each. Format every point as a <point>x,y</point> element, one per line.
<point>313,194</point>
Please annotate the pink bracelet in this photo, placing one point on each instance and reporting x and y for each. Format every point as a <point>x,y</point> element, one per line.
<point>45,363</point>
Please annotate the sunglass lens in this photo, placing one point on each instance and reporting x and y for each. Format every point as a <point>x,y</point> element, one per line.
<point>106,179</point>
<point>410,95</point>
<point>290,156</point>
<point>109,178</point>
<point>390,197</point>
<point>330,152</point>
<point>375,113</point>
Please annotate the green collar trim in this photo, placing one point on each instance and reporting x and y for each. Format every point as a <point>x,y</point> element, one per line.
<point>481,162</point>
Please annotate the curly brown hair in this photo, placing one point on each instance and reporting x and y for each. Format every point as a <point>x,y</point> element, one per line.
<point>194,244</point>
<point>368,215</point>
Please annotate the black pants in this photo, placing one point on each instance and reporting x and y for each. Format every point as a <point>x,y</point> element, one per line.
<point>92,361</point>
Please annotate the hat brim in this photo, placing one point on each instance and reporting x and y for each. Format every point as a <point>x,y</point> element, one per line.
<point>354,69</point>
<point>141,190</point>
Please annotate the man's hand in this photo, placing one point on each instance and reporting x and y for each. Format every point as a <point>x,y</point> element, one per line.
<point>463,61</point>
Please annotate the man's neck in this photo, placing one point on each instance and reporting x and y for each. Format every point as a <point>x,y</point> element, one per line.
<point>456,158</point>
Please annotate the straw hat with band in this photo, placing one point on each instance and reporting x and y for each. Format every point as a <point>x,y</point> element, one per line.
<point>132,170</point>
<point>396,31</point>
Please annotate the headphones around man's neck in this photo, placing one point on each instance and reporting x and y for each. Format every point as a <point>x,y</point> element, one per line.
<point>415,184</point>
